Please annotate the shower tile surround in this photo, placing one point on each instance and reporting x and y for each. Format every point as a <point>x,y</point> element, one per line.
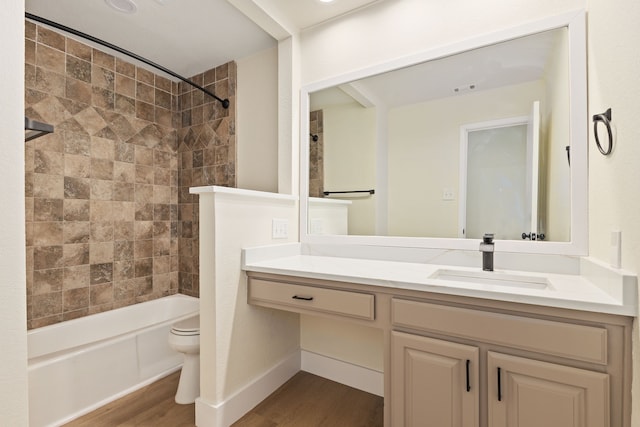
<point>109,218</point>
<point>316,154</point>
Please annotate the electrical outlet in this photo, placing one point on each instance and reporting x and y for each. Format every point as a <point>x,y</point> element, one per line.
<point>279,228</point>
<point>316,226</point>
<point>447,194</point>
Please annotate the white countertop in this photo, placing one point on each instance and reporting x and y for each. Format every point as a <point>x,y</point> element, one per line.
<point>563,290</point>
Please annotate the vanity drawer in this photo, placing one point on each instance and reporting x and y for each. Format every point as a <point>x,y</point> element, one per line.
<point>578,342</point>
<point>292,296</point>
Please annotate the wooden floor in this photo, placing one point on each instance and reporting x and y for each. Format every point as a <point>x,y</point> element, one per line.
<point>305,400</point>
<point>152,405</point>
<point>311,401</point>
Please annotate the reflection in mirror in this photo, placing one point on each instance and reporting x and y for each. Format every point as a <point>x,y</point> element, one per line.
<point>423,138</point>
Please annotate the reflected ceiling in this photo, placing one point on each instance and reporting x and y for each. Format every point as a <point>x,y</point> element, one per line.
<point>513,62</point>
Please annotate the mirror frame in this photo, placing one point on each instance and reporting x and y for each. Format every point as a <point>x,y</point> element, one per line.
<point>578,245</point>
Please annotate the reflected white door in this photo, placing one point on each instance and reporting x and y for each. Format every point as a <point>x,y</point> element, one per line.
<point>533,163</point>
<point>499,178</point>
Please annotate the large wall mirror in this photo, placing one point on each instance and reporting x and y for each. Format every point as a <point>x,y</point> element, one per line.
<point>487,135</point>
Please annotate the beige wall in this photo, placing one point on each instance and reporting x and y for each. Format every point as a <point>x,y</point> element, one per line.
<point>257,121</point>
<point>238,342</point>
<point>614,181</point>
<point>349,160</point>
<point>13,315</point>
<point>555,130</point>
<point>320,335</point>
<point>424,154</point>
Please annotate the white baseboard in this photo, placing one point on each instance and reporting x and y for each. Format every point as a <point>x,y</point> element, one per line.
<point>225,413</point>
<point>355,376</point>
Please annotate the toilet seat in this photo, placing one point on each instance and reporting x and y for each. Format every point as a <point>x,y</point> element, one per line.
<point>187,327</point>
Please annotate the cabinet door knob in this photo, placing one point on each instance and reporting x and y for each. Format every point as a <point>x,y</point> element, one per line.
<point>499,385</point>
<point>302,298</point>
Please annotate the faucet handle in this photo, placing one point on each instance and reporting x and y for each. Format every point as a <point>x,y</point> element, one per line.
<point>487,238</point>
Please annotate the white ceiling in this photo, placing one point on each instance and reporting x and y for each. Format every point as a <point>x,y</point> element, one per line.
<point>187,36</point>
<point>307,13</point>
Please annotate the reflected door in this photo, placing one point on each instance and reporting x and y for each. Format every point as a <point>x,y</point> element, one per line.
<point>499,178</point>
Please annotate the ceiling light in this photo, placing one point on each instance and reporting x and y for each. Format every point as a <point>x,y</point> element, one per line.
<point>326,1</point>
<point>124,6</point>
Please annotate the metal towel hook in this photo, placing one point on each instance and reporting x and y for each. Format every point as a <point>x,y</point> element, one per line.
<point>606,119</point>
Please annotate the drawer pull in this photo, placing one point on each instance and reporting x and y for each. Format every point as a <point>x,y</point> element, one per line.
<point>302,298</point>
<point>468,382</point>
<point>499,385</point>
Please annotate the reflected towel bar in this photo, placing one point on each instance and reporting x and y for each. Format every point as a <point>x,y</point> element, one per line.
<point>327,193</point>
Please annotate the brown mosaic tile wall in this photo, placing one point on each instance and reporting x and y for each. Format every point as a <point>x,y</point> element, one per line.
<point>207,153</point>
<point>102,192</point>
<point>316,155</point>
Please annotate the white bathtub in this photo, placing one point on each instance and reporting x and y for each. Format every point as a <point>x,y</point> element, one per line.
<point>79,365</point>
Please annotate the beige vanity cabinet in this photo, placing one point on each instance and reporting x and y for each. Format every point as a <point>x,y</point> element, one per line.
<point>453,361</point>
<point>434,382</point>
<point>529,393</point>
<point>533,370</point>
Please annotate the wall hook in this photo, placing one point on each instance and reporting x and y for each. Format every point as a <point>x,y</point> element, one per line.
<point>606,119</point>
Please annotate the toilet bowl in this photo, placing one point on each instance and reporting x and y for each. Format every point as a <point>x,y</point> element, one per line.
<point>185,338</point>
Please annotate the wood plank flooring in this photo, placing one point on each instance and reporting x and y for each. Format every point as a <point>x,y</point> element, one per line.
<point>311,401</point>
<point>152,405</point>
<point>305,400</point>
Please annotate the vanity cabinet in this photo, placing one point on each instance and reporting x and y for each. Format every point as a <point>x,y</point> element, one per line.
<point>527,393</point>
<point>472,362</point>
<point>429,375</point>
<point>434,382</point>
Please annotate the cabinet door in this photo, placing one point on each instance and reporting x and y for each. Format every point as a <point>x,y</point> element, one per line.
<point>434,383</point>
<point>530,393</point>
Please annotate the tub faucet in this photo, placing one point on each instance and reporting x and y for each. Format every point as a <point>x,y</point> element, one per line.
<point>486,247</point>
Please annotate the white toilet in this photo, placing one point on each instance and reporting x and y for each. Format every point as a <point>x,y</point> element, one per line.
<point>185,338</point>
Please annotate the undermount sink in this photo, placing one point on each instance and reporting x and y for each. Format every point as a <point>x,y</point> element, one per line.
<point>491,278</point>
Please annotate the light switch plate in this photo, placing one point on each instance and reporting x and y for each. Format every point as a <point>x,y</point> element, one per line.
<point>447,194</point>
<point>279,228</point>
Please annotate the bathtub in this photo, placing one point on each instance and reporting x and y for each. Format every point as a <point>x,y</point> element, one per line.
<point>79,365</point>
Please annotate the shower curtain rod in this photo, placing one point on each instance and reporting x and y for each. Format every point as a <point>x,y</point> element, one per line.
<point>224,102</point>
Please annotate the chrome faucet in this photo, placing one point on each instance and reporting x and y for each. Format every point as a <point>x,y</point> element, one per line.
<point>486,247</point>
